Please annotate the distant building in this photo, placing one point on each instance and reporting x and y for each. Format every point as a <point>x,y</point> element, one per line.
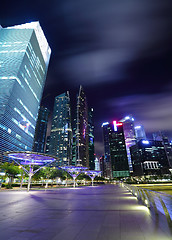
<point>140,133</point>
<point>102,165</point>
<point>97,164</point>
<point>118,162</point>
<point>24,59</point>
<point>61,131</point>
<point>149,157</point>
<point>166,143</point>
<point>130,137</point>
<point>82,131</point>
<point>107,156</point>
<point>41,130</point>
<point>91,139</point>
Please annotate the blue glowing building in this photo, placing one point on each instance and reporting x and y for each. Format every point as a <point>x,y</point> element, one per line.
<point>24,58</point>
<point>140,132</point>
<point>60,144</point>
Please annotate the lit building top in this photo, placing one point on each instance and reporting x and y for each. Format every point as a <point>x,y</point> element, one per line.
<point>45,49</point>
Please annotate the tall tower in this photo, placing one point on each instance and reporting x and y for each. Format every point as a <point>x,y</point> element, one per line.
<point>82,139</point>
<point>116,151</point>
<point>140,133</point>
<point>24,58</point>
<point>61,131</point>
<point>130,138</point>
<point>107,158</point>
<point>91,140</point>
<point>41,130</point>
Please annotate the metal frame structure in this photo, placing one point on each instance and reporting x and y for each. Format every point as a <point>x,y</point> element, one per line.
<point>74,172</point>
<point>31,159</point>
<point>92,174</point>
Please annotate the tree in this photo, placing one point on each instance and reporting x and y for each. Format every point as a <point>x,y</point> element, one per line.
<point>11,171</point>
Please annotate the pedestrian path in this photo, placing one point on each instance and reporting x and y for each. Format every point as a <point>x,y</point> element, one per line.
<point>107,212</point>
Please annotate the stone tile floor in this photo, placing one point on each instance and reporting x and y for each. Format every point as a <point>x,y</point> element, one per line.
<point>106,212</point>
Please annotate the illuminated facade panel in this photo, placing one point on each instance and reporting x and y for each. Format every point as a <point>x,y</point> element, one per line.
<point>23,68</point>
<point>61,131</point>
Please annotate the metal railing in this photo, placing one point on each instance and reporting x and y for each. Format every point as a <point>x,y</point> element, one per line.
<point>159,202</point>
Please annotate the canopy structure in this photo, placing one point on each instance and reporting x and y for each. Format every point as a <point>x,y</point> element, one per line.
<point>74,171</point>
<point>92,174</point>
<point>30,159</point>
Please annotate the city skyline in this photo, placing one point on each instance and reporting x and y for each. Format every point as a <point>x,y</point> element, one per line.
<point>120,53</point>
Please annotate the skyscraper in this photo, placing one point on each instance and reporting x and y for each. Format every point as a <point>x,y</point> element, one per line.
<point>149,157</point>
<point>41,130</point>
<point>114,137</point>
<point>140,133</point>
<point>24,58</point>
<point>82,138</point>
<point>130,138</point>
<point>91,140</point>
<point>107,156</point>
<point>61,132</point>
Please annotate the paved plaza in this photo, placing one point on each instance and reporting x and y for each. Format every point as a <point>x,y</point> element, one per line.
<point>107,212</point>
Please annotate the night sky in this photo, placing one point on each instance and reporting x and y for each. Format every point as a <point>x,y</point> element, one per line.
<point>120,51</point>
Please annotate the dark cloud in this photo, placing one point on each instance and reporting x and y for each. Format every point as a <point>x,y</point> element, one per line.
<point>153,111</point>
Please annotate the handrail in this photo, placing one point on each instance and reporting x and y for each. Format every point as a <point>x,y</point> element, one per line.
<point>160,202</point>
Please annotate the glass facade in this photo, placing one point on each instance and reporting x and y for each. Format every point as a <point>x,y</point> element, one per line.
<point>140,132</point>
<point>91,140</point>
<point>41,130</point>
<point>115,150</point>
<point>61,131</point>
<point>82,131</point>
<point>130,137</point>
<point>24,58</point>
<point>149,157</point>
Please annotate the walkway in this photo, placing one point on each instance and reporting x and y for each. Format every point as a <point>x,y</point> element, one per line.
<point>106,212</point>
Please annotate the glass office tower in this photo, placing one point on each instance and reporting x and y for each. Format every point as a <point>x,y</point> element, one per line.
<point>24,58</point>
<point>140,133</point>
<point>41,130</point>
<point>130,137</point>
<point>115,150</point>
<point>82,130</point>
<point>91,140</point>
<point>61,131</point>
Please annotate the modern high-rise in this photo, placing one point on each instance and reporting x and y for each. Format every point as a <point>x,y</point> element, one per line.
<point>82,130</point>
<point>60,144</point>
<point>130,138</point>
<point>115,149</point>
<point>91,140</point>
<point>107,156</point>
<point>41,130</point>
<point>140,132</point>
<point>166,143</point>
<point>149,157</point>
<point>24,58</point>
